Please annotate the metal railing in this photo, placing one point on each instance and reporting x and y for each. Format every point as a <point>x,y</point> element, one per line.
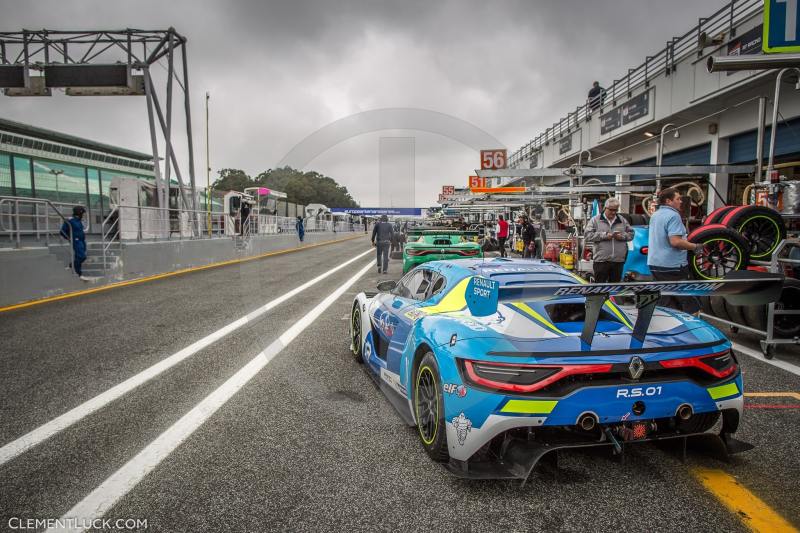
<point>663,63</point>
<point>41,218</point>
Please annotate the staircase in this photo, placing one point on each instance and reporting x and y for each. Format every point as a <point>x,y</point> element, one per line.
<point>93,266</point>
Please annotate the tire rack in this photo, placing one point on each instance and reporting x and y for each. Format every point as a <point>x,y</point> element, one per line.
<point>775,265</point>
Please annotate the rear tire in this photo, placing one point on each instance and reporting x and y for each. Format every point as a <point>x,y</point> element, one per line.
<point>716,215</point>
<point>788,325</point>
<point>718,308</point>
<point>724,251</point>
<point>355,332</point>
<point>763,228</point>
<point>736,312</point>
<point>756,316</point>
<point>705,305</point>
<point>429,409</point>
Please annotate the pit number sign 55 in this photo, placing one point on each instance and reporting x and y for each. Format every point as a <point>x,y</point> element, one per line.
<point>493,159</point>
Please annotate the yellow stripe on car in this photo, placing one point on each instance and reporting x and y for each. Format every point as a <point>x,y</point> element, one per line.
<point>610,305</point>
<point>723,391</point>
<point>525,308</point>
<point>529,407</point>
<point>616,310</point>
<point>455,300</point>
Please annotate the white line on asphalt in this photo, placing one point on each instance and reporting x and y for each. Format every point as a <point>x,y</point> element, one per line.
<point>104,497</point>
<point>755,354</point>
<point>45,431</point>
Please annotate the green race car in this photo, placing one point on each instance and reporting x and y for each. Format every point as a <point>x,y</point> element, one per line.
<point>433,245</point>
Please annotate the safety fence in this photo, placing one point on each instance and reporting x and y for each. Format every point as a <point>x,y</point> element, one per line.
<point>663,63</point>
<point>37,219</point>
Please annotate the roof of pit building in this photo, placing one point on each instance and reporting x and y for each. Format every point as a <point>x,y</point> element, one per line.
<point>10,132</point>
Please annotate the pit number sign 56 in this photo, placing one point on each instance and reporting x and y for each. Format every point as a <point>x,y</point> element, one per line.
<point>493,159</point>
<point>781,20</point>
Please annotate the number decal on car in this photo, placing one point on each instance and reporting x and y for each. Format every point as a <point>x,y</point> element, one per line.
<point>638,392</point>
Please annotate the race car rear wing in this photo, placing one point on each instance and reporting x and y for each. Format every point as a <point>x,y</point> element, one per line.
<point>738,287</point>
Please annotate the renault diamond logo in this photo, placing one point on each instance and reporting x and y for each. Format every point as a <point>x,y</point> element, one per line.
<point>636,367</point>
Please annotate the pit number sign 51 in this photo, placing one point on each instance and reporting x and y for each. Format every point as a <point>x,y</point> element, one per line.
<point>780,26</point>
<point>494,159</point>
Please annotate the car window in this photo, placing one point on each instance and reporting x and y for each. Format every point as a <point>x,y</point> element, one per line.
<point>437,284</point>
<point>409,285</point>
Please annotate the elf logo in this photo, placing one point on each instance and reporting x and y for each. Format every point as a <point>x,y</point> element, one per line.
<point>459,390</point>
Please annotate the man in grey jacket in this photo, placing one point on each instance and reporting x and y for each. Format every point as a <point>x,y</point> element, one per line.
<point>609,234</point>
<point>382,239</point>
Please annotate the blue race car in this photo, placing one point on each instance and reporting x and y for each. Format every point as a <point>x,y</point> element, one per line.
<point>499,362</point>
<point>635,266</point>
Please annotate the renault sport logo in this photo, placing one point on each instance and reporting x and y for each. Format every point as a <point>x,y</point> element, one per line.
<point>636,367</point>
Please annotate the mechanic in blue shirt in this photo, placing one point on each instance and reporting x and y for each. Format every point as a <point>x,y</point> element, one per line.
<point>666,254</point>
<point>78,238</point>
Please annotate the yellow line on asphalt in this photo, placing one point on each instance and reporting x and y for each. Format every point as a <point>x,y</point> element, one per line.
<point>753,512</point>
<point>795,395</point>
<point>154,277</point>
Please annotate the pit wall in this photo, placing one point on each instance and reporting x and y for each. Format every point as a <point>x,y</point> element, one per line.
<point>35,273</point>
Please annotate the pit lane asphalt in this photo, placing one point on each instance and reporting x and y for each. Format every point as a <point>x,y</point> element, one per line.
<point>310,444</point>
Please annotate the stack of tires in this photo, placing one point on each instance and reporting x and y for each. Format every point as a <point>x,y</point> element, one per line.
<point>733,235</point>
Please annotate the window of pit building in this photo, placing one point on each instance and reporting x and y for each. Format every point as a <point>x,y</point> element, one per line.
<point>59,182</point>
<point>6,187</point>
<point>22,177</point>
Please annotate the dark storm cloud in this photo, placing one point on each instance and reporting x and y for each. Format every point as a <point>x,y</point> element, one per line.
<point>278,71</point>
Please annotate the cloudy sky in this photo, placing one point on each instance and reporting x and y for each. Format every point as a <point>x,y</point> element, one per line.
<point>278,72</point>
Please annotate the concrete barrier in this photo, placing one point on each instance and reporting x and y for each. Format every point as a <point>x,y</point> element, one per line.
<point>36,273</point>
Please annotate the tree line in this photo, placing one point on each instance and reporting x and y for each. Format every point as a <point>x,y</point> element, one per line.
<point>300,187</point>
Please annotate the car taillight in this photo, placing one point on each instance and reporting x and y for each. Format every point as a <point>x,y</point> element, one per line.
<point>523,378</point>
<point>644,249</point>
<point>719,365</point>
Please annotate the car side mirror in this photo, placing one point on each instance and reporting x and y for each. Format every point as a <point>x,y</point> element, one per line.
<point>387,286</point>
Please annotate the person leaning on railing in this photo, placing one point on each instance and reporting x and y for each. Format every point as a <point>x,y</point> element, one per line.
<point>596,96</point>
<point>78,243</point>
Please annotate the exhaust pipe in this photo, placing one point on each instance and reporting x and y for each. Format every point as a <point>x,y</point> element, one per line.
<point>685,412</point>
<point>587,422</point>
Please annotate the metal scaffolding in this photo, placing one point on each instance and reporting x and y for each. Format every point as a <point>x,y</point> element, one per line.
<point>38,50</point>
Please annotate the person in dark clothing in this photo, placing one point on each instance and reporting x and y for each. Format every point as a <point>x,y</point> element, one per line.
<point>244,212</point>
<point>382,235</point>
<point>301,230</point>
<point>539,239</point>
<point>528,234</point>
<point>596,96</point>
<point>365,224</point>
<point>75,223</point>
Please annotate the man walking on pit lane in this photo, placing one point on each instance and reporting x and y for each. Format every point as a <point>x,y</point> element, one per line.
<point>609,234</point>
<point>666,255</point>
<point>382,234</point>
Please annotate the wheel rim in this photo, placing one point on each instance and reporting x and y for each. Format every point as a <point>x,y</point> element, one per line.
<point>355,328</point>
<point>717,258</point>
<point>427,405</point>
<point>763,235</point>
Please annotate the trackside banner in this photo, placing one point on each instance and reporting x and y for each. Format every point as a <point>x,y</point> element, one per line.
<point>397,211</point>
